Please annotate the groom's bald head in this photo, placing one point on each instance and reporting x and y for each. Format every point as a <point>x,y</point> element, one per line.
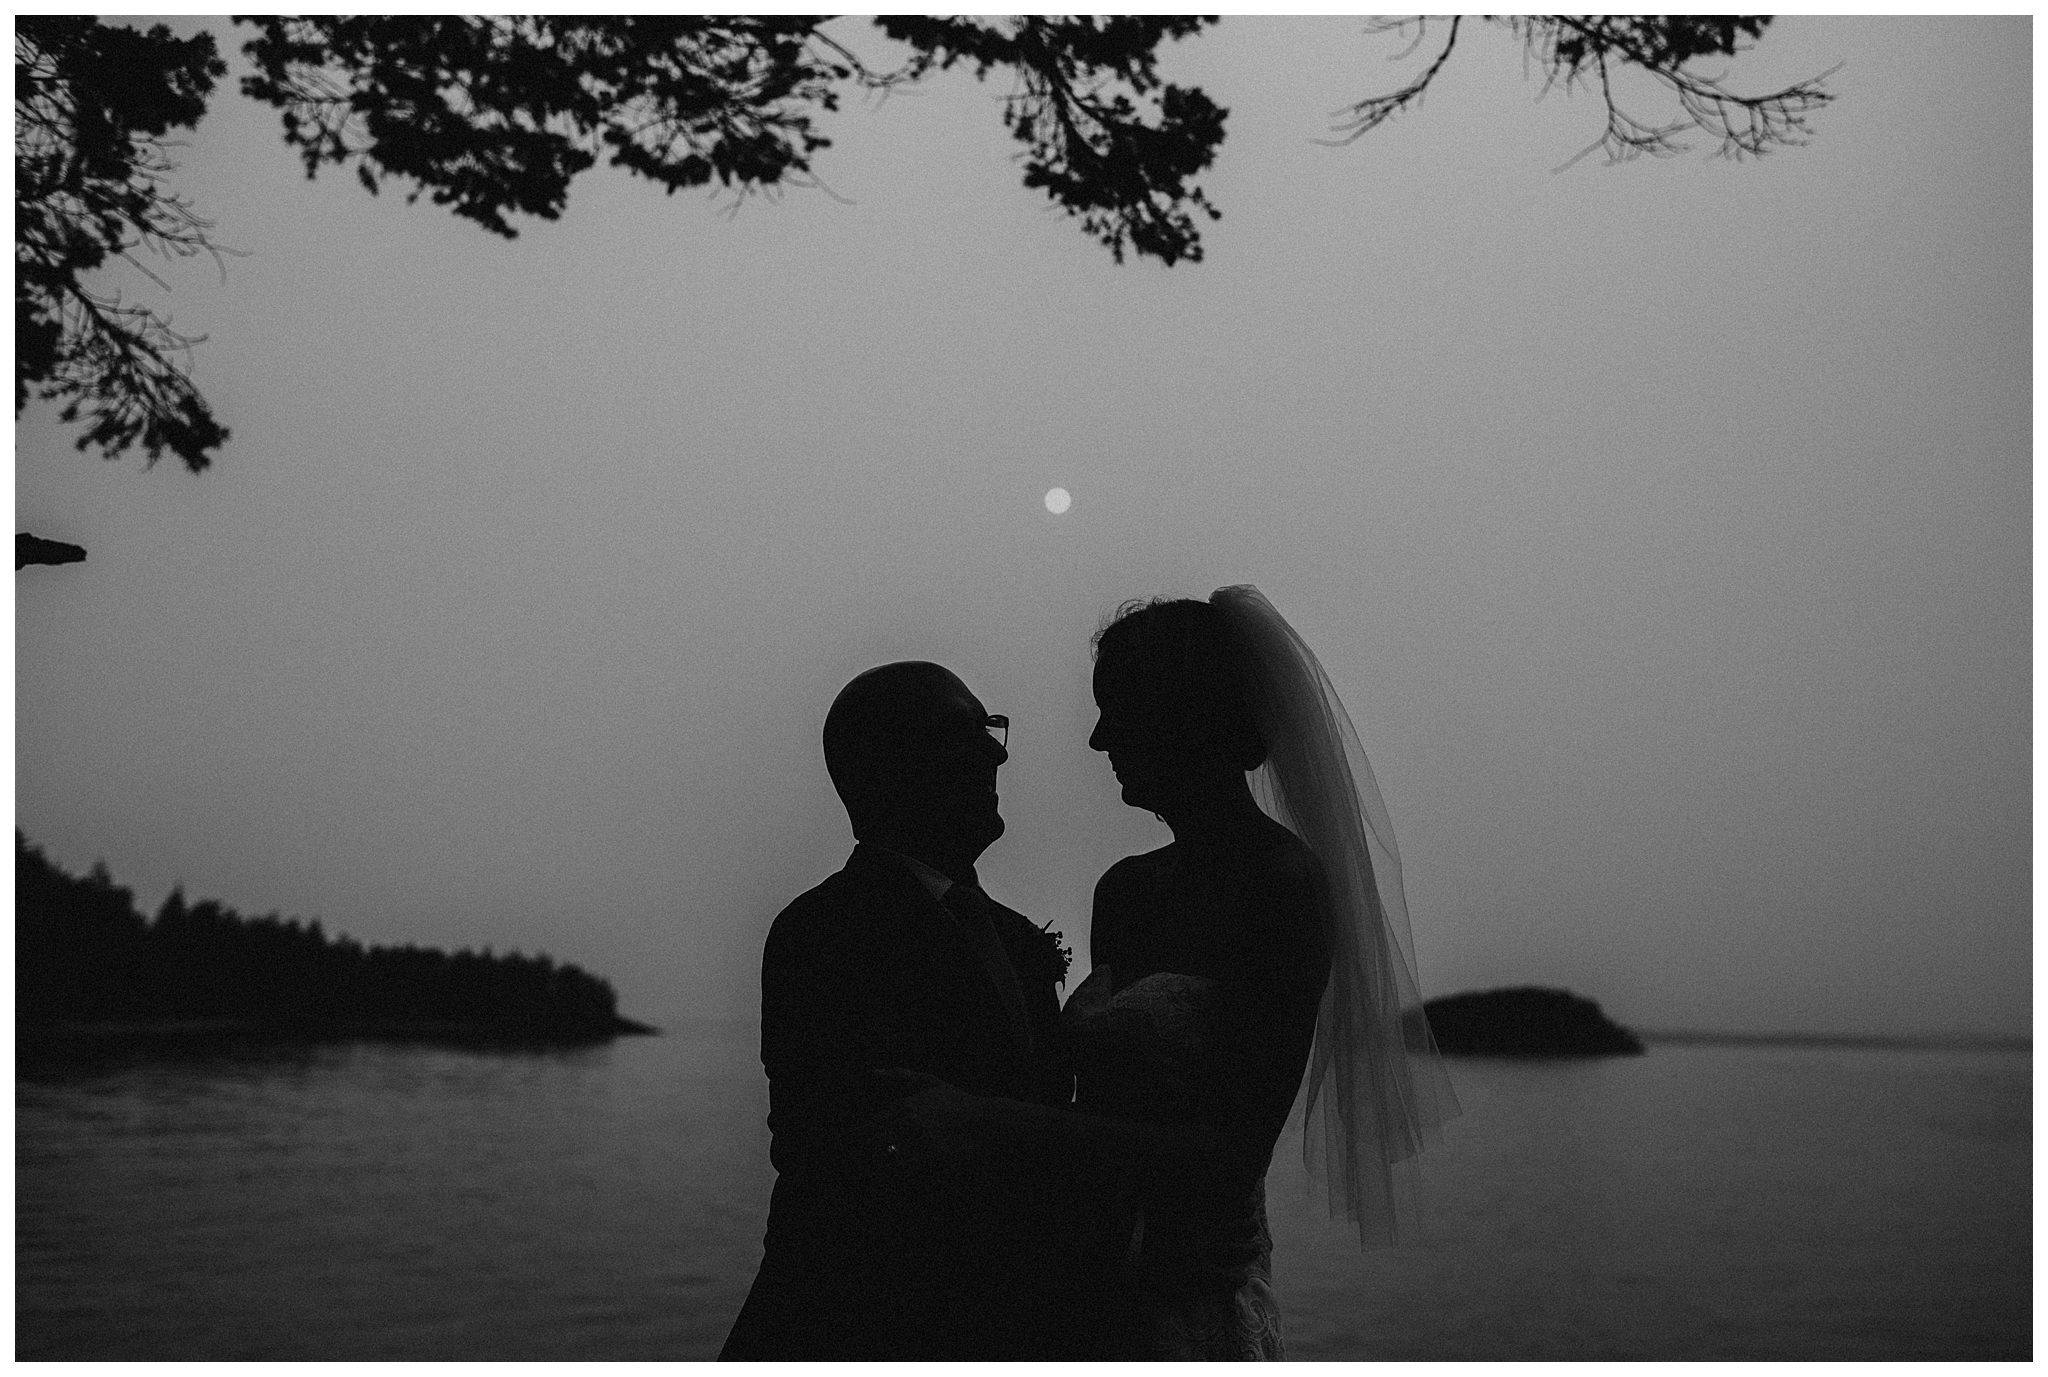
<point>880,716</point>
<point>908,751</point>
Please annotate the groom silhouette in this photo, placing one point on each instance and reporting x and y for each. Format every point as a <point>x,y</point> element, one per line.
<point>884,1242</point>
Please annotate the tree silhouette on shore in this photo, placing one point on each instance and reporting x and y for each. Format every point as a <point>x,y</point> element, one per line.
<point>86,957</point>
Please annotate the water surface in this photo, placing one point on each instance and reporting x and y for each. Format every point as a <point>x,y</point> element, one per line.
<point>380,1202</point>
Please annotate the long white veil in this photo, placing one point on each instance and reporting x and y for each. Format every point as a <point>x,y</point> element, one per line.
<point>1377,1090</point>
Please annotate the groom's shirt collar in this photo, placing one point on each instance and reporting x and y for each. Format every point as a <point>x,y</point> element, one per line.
<point>936,881</point>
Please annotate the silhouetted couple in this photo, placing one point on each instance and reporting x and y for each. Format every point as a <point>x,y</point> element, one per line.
<point>967,1170</point>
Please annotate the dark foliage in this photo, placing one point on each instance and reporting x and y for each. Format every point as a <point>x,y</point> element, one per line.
<point>92,104</point>
<point>494,117</point>
<point>1526,1022</point>
<point>33,549</point>
<point>84,955</point>
<point>1085,85</point>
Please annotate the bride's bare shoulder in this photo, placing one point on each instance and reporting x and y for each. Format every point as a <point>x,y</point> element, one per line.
<point>1130,876</point>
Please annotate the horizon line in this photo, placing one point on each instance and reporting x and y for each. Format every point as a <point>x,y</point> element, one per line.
<point>1957,1041</point>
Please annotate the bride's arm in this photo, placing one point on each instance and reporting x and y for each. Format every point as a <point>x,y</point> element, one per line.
<point>1106,914</point>
<point>1269,1004</point>
<point>933,1109</point>
<point>1265,1029</point>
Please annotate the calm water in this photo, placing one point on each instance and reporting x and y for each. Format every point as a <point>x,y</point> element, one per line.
<point>372,1202</point>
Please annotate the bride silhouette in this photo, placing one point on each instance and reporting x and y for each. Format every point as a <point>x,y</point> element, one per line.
<point>1255,945</point>
<point>1261,943</point>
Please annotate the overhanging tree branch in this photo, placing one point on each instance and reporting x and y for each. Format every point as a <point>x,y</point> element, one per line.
<point>1104,137</point>
<point>1354,122</point>
<point>495,117</point>
<point>1586,50</point>
<point>92,104</point>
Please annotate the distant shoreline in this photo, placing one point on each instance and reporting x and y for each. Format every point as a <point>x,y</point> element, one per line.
<point>486,1032</point>
<point>92,971</point>
<point>1951,1043</point>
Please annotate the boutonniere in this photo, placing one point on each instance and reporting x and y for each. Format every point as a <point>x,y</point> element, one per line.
<point>1044,957</point>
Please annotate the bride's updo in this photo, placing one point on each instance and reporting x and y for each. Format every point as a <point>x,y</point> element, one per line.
<point>1176,662</point>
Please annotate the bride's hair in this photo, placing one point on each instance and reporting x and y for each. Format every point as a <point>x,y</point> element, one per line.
<point>1183,661</point>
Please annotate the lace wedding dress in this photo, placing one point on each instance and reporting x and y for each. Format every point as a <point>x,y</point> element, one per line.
<point>1199,1280</point>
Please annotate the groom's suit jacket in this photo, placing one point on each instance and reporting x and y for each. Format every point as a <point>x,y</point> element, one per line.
<point>936,1255</point>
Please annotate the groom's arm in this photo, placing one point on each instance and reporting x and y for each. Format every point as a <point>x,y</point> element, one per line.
<point>813,1032</point>
<point>1045,1136</point>
<point>1068,1137</point>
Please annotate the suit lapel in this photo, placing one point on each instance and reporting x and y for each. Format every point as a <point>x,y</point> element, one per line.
<point>1041,1004</point>
<point>905,896</point>
<point>934,923</point>
<point>980,922</point>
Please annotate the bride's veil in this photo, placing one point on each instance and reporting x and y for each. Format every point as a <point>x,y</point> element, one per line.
<point>1377,1090</point>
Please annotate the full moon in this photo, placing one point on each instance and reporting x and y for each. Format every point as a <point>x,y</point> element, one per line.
<point>1058,501</point>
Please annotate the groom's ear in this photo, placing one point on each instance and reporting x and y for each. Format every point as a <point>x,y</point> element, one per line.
<point>860,801</point>
<point>850,761</point>
<point>868,786</point>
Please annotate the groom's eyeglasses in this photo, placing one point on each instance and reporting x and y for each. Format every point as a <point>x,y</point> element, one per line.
<point>998,729</point>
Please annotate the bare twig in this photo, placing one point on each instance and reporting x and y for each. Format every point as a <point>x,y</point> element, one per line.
<point>1356,121</point>
<point>1576,50</point>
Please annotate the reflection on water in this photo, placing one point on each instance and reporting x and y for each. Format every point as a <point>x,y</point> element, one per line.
<point>369,1201</point>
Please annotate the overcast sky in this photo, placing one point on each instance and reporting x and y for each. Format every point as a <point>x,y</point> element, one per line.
<point>1665,527</point>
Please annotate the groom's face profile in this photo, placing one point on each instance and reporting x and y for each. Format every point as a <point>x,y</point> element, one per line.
<point>909,750</point>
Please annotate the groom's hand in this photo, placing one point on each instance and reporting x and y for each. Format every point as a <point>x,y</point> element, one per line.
<point>900,1083</point>
<point>929,1120</point>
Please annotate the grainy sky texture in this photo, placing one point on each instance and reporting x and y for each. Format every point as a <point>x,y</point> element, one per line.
<point>1665,526</point>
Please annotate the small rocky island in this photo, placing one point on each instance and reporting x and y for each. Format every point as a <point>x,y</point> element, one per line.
<point>1526,1021</point>
<point>89,967</point>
